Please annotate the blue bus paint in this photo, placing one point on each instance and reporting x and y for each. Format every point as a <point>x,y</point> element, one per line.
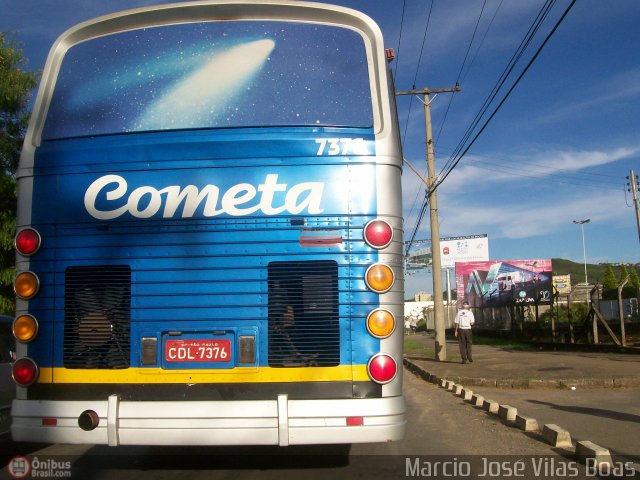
<point>171,232</point>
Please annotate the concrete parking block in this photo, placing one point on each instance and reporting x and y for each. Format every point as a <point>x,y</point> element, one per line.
<point>586,449</point>
<point>477,400</point>
<point>457,389</point>
<point>507,413</point>
<point>526,424</point>
<point>466,394</point>
<point>556,436</point>
<point>490,406</point>
<point>443,383</point>
<point>450,385</point>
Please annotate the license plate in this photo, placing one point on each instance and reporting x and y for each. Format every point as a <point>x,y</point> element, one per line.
<point>195,350</point>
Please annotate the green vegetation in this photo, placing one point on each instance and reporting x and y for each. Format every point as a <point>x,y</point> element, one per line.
<point>16,85</point>
<point>416,349</point>
<point>609,284</point>
<point>596,272</point>
<point>579,311</point>
<point>501,342</point>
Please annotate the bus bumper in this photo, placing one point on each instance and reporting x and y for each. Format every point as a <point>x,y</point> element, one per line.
<point>266,422</point>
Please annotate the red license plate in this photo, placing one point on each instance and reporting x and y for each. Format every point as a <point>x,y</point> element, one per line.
<point>197,350</point>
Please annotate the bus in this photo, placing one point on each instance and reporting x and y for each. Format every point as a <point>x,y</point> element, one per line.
<point>209,232</point>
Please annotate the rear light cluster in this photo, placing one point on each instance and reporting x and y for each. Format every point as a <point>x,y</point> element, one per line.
<point>27,241</point>
<point>25,372</point>
<point>381,323</point>
<point>26,285</point>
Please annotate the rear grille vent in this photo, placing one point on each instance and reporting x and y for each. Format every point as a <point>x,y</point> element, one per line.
<point>97,317</point>
<point>303,314</point>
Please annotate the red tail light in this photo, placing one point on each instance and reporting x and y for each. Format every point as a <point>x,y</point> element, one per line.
<point>25,372</point>
<point>378,234</point>
<point>382,368</point>
<point>27,241</point>
<point>355,421</point>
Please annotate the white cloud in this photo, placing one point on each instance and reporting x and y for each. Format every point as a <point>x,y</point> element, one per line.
<point>476,200</point>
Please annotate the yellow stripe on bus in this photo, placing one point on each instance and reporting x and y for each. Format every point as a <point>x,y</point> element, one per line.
<point>235,375</point>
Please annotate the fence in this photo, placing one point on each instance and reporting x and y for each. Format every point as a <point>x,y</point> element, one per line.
<point>566,320</point>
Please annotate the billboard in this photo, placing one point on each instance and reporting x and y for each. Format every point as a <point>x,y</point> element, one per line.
<point>562,284</point>
<point>504,282</point>
<point>472,248</point>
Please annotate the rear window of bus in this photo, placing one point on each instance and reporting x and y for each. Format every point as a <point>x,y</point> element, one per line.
<point>212,75</point>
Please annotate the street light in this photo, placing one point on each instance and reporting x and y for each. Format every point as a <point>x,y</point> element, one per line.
<point>584,250</point>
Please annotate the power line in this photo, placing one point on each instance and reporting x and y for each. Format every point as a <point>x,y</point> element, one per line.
<point>517,55</point>
<point>395,69</point>
<point>504,99</point>
<point>415,77</point>
<point>552,178</point>
<point>486,32</point>
<point>473,36</point>
<point>406,126</point>
<point>430,194</point>
<point>455,160</point>
<point>550,171</point>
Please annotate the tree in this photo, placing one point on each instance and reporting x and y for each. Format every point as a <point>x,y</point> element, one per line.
<point>16,85</point>
<point>609,284</point>
<point>635,282</point>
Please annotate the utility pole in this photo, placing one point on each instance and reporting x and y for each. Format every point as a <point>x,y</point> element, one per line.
<point>438,307</point>
<point>633,180</point>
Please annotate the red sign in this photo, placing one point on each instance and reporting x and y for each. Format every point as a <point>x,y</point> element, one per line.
<point>193,350</point>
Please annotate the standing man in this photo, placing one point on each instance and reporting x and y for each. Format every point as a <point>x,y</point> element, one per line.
<point>463,323</point>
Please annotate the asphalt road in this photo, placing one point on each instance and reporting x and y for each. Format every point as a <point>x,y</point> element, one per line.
<point>444,436</point>
<point>609,417</point>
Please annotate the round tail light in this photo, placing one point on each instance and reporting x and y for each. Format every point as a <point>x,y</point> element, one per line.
<point>382,368</point>
<point>381,323</point>
<point>27,241</point>
<point>25,328</point>
<point>26,285</point>
<point>379,277</point>
<point>378,234</point>
<point>25,372</point>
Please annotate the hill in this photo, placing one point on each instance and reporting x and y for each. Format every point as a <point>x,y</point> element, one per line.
<point>595,272</point>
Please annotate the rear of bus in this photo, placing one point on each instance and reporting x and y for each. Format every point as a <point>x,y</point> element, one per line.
<point>209,245</point>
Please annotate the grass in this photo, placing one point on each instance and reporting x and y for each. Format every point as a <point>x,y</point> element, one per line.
<point>502,343</point>
<point>412,346</point>
<point>418,349</point>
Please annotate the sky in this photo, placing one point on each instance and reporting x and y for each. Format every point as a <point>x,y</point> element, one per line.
<point>559,149</point>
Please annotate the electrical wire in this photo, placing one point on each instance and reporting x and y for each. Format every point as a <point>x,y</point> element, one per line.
<point>466,56</point>
<point>442,177</point>
<point>524,44</point>
<point>415,77</point>
<point>535,175</point>
<point>406,126</point>
<point>462,150</point>
<point>486,32</point>
<point>395,68</point>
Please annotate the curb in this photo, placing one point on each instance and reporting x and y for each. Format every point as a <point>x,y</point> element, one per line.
<point>550,434</point>
<point>593,382</point>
